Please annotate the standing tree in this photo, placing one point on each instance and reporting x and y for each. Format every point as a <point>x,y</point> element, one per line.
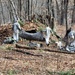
<point>73,16</point>
<point>2,11</point>
<point>65,13</point>
<point>14,10</point>
<point>19,8</point>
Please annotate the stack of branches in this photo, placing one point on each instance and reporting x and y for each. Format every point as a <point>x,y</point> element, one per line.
<point>5,31</point>
<point>28,26</point>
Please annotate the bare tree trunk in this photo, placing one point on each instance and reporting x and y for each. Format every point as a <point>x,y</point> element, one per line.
<point>55,10</point>
<point>0,20</point>
<point>19,8</point>
<point>50,16</point>
<point>2,11</point>
<point>73,16</point>
<point>62,13</point>
<point>53,15</point>
<point>24,1</point>
<point>65,12</point>
<point>8,12</point>
<point>14,10</point>
<point>49,13</point>
<point>27,9</point>
<point>30,9</point>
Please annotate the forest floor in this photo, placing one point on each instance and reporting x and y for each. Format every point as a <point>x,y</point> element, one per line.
<point>35,61</point>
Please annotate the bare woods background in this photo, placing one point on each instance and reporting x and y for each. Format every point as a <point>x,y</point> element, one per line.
<point>61,11</point>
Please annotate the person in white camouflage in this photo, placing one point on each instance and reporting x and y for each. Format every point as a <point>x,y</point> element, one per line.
<point>16,29</point>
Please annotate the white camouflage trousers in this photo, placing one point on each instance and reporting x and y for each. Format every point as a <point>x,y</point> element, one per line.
<point>16,36</point>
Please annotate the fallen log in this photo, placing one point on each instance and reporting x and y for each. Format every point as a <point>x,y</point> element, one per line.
<point>25,52</point>
<point>24,46</point>
<point>59,51</point>
<point>45,49</point>
<point>38,36</point>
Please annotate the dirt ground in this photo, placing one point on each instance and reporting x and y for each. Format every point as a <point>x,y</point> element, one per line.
<point>22,61</point>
